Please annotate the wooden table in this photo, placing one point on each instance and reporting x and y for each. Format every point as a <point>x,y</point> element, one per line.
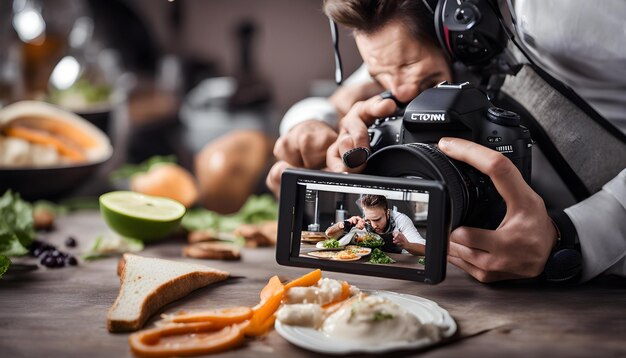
<point>62,312</point>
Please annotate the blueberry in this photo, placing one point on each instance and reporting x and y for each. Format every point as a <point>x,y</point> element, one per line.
<point>48,261</point>
<point>60,261</point>
<point>35,247</point>
<point>71,260</point>
<point>44,251</point>
<point>56,253</point>
<point>70,242</point>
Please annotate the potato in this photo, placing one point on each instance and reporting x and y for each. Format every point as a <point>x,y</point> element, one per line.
<point>229,168</point>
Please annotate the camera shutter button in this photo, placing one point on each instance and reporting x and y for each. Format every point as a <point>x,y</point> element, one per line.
<point>503,117</point>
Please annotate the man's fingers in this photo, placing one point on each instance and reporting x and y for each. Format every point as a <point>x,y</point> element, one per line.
<point>480,275</point>
<point>374,108</point>
<point>505,176</point>
<point>479,258</point>
<point>481,239</point>
<point>334,163</point>
<point>273,177</point>
<point>353,134</point>
<point>287,150</point>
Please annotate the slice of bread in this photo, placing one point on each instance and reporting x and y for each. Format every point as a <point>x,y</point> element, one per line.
<point>149,284</point>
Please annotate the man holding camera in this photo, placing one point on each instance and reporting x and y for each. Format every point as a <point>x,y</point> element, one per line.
<point>401,54</point>
<point>394,227</point>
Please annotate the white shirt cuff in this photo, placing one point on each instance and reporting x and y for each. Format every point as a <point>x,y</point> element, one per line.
<point>318,108</point>
<point>600,222</point>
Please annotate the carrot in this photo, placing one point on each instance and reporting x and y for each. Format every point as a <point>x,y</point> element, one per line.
<point>309,279</point>
<point>273,286</point>
<point>256,328</point>
<point>271,298</point>
<point>220,317</point>
<point>57,127</point>
<point>176,340</point>
<point>41,137</point>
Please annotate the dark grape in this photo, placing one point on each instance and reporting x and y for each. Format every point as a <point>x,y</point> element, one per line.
<point>70,242</point>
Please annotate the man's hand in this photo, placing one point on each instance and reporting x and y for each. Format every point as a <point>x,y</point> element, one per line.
<point>358,222</point>
<point>521,245</point>
<point>353,131</point>
<point>399,239</point>
<point>305,144</point>
<point>348,94</point>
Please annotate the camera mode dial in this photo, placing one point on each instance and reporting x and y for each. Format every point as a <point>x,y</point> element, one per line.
<point>503,117</point>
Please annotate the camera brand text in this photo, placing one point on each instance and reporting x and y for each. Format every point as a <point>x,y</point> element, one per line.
<point>428,117</point>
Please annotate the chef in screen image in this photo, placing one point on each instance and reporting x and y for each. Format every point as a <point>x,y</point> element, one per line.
<point>395,228</point>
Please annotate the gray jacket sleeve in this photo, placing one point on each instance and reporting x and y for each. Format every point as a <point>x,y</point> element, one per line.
<point>600,221</point>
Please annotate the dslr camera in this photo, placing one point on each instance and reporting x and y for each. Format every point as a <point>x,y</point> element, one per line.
<point>405,146</point>
<point>420,185</point>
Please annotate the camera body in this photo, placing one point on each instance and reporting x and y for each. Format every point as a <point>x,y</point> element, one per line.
<point>405,146</point>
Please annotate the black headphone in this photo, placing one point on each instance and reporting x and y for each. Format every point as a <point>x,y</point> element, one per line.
<point>469,31</point>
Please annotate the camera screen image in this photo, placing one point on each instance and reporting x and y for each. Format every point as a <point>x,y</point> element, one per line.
<point>361,225</point>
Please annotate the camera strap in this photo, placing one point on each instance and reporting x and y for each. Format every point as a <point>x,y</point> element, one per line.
<point>585,149</point>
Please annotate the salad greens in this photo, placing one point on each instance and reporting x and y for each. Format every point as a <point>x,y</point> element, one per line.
<point>331,244</point>
<point>16,228</point>
<point>256,209</point>
<point>379,257</point>
<point>370,240</point>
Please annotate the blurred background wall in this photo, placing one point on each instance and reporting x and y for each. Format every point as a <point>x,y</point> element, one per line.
<point>292,48</point>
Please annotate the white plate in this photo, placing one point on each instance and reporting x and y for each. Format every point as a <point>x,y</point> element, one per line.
<point>425,310</point>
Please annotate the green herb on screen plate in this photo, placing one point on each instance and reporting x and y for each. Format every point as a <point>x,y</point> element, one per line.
<point>370,240</point>
<point>331,244</point>
<point>379,257</point>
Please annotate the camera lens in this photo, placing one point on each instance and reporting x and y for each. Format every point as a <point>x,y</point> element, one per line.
<point>425,161</point>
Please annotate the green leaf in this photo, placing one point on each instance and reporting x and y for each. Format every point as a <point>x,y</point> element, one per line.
<point>200,219</point>
<point>112,246</point>
<point>5,262</point>
<point>256,209</point>
<point>16,224</point>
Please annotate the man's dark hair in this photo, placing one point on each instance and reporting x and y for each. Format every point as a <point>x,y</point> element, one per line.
<point>374,201</point>
<point>369,16</point>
